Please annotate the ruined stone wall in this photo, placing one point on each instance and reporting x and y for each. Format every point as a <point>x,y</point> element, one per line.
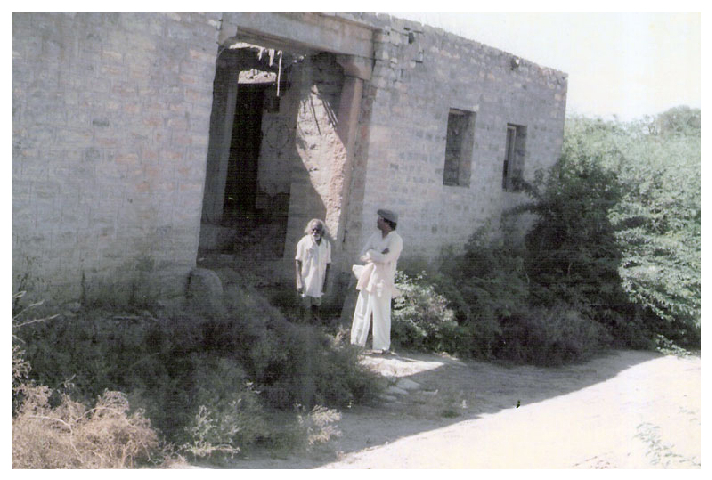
<point>419,74</point>
<point>111,118</point>
<point>110,132</point>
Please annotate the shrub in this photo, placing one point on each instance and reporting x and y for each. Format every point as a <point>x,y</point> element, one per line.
<point>206,383</point>
<point>421,317</point>
<point>572,255</point>
<point>656,219</point>
<point>547,336</point>
<point>72,436</point>
<point>229,410</point>
<point>301,429</point>
<point>67,434</point>
<point>449,311</point>
<point>291,363</point>
<point>482,305</point>
<point>490,284</point>
<point>320,425</point>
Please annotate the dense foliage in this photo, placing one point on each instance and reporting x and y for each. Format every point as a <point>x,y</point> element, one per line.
<point>612,258</point>
<point>207,384</point>
<point>656,222</point>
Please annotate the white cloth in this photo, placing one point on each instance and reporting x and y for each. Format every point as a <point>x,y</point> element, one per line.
<point>380,307</point>
<point>383,276</point>
<point>314,260</point>
<point>374,298</point>
<point>363,274</point>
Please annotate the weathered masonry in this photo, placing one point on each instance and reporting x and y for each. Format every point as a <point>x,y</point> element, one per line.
<point>143,140</point>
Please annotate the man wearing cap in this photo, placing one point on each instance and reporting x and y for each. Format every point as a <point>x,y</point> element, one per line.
<point>377,283</point>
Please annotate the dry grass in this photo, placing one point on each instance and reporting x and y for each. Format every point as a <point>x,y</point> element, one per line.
<point>321,425</point>
<point>70,436</point>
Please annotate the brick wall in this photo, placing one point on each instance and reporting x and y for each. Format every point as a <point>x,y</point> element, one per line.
<point>110,132</point>
<point>111,117</point>
<point>420,73</point>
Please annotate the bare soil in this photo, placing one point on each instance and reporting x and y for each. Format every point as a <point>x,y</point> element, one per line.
<point>624,409</point>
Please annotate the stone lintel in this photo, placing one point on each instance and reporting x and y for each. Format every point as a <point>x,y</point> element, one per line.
<point>355,66</point>
<point>299,31</point>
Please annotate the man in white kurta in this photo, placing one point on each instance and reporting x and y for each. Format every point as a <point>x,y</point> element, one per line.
<point>377,284</point>
<point>312,263</point>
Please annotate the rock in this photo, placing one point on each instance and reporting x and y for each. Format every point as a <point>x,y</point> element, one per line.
<point>396,390</point>
<point>205,292</point>
<point>407,384</point>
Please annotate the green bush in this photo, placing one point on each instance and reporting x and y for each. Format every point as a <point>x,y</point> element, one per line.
<point>230,412</point>
<point>458,309</point>
<point>551,336</point>
<point>613,256</point>
<point>571,252</point>
<point>207,384</point>
<point>422,318</point>
<point>655,221</point>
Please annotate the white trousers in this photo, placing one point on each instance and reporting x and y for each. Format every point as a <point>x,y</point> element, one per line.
<point>380,307</point>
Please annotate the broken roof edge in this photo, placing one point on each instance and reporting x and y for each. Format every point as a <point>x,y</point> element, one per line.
<point>383,21</point>
<point>251,31</point>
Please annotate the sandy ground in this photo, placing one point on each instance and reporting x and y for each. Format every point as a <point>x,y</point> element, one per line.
<point>625,409</point>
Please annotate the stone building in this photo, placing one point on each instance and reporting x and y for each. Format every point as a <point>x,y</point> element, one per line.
<point>141,141</point>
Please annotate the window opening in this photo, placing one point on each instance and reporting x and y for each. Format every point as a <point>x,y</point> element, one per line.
<point>513,166</point>
<point>458,147</point>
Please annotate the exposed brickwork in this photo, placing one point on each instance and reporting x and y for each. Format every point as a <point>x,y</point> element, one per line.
<point>110,132</point>
<point>420,73</point>
<point>112,126</point>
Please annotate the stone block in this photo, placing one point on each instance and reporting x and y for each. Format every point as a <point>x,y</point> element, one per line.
<point>205,292</point>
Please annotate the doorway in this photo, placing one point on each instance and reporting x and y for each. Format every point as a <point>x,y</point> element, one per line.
<point>241,182</point>
<point>251,145</point>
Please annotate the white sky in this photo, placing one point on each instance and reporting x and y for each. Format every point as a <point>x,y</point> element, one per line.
<point>624,64</point>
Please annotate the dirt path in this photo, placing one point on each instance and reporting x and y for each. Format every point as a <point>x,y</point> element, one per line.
<point>625,409</point>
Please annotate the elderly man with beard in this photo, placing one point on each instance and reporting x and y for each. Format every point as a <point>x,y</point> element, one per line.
<point>312,262</point>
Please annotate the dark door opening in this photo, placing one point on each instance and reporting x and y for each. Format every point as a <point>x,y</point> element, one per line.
<point>241,181</point>
<point>250,155</point>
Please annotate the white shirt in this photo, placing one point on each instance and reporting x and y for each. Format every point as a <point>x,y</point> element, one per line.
<point>314,260</point>
<point>383,276</point>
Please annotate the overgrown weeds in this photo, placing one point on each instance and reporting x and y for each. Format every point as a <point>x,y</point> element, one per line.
<point>482,309</point>
<point>612,259</point>
<point>211,387</point>
<point>70,435</point>
<point>67,434</point>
